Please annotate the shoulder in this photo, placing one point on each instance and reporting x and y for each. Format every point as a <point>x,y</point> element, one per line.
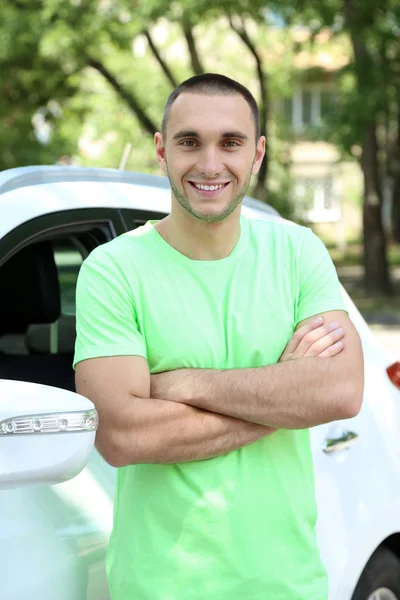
<point>125,250</point>
<point>278,232</point>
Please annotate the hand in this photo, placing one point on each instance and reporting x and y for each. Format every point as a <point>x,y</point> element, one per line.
<point>314,339</point>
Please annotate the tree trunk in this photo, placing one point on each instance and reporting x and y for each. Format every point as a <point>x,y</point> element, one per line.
<point>377,282</point>
<point>395,216</point>
<point>165,68</point>
<point>376,278</point>
<point>396,210</point>
<point>191,44</point>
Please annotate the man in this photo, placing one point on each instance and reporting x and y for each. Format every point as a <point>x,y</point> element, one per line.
<point>209,344</point>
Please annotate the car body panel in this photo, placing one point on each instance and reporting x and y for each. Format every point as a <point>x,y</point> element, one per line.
<point>357,512</point>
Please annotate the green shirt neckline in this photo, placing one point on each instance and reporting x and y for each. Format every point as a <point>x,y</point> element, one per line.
<point>222,262</point>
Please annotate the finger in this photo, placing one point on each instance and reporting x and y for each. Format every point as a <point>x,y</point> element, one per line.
<point>332,350</point>
<point>301,332</point>
<point>324,343</point>
<point>314,336</point>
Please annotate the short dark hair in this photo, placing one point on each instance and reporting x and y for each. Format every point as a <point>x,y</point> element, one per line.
<point>211,84</point>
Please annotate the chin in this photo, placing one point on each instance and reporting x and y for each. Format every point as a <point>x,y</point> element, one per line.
<point>210,215</point>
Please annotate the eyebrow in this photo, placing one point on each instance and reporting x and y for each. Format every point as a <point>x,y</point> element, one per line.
<point>227,134</point>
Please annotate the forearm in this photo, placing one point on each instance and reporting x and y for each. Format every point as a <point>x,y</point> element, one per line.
<point>157,431</point>
<point>290,395</point>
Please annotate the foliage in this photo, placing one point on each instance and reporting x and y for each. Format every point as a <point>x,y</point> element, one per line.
<point>94,75</point>
<point>369,87</point>
<point>30,85</point>
<point>83,78</point>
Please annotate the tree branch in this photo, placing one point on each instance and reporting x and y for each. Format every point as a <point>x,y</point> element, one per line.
<point>166,70</point>
<point>191,43</point>
<point>261,186</point>
<point>127,96</point>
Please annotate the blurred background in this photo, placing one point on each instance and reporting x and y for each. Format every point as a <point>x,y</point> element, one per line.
<point>84,82</point>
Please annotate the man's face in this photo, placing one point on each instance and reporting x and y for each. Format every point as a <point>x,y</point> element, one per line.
<point>210,153</point>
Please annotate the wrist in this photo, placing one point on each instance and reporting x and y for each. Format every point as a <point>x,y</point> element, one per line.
<point>173,386</point>
<point>185,388</point>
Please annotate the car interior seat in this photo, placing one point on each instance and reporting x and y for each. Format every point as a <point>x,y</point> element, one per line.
<point>38,337</point>
<point>31,295</point>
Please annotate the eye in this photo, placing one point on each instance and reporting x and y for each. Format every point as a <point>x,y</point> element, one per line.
<point>188,143</point>
<point>231,144</point>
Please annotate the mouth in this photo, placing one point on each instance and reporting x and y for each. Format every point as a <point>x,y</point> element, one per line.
<point>210,190</point>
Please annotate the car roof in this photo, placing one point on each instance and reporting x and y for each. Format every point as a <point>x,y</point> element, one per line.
<point>29,192</point>
<point>13,179</point>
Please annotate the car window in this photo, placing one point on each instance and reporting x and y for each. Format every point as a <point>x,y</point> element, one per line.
<point>37,320</point>
<point>68,261</point>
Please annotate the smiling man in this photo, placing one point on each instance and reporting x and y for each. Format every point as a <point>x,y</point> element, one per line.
<point>210,343</point>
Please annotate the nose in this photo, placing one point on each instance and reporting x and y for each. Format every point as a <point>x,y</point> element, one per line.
<point>209,163</point>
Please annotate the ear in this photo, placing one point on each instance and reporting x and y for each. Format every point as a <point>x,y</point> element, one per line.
<point>260,152</point>
<point>160,151</point>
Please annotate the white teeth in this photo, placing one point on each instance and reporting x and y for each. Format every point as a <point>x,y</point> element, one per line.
<point>209,188</point>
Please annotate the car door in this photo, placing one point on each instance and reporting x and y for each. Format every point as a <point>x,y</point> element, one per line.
<point>53,539</point>
<point>357,465</point>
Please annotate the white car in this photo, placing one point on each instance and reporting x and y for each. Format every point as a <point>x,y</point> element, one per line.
<point>54,532</point>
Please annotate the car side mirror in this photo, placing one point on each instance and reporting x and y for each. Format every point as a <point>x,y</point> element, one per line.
<point>46,433</point>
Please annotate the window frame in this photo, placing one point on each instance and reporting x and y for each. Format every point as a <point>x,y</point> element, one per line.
<point>297,105</point>
<point>133,218</point>
<point>58,224</point>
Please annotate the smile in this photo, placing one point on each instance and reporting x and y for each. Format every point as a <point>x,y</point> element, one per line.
<point>208,188</point>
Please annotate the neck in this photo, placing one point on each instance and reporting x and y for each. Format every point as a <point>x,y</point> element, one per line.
<point>200,240</point>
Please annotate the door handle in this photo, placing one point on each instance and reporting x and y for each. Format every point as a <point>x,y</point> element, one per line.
<point>340,441</point>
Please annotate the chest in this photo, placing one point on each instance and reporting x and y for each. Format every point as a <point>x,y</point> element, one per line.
<point>236,319</point>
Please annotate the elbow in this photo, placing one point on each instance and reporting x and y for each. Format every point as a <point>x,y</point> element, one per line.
<point>116,451</point>
<point>111,453</point>
<point>351,400</point>
<point>114,458</point>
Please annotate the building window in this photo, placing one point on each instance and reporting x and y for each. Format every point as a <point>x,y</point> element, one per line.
<point>308,106</point>
<point>318,200</point>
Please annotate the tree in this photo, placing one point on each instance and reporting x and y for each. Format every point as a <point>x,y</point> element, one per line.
<point>31,85</point>
<point>66,39</point>
<point>366,110</point>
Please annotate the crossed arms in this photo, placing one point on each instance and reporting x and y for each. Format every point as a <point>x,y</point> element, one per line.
<point>194,414</point>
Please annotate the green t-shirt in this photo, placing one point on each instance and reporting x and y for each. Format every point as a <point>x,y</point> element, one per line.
<point>240,526</point>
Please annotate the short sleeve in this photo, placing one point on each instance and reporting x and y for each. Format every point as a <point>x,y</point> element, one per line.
<point>319,286</point>
<point>106,323</point>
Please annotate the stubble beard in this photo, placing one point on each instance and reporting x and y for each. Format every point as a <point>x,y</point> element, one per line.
<point>228,210</point>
